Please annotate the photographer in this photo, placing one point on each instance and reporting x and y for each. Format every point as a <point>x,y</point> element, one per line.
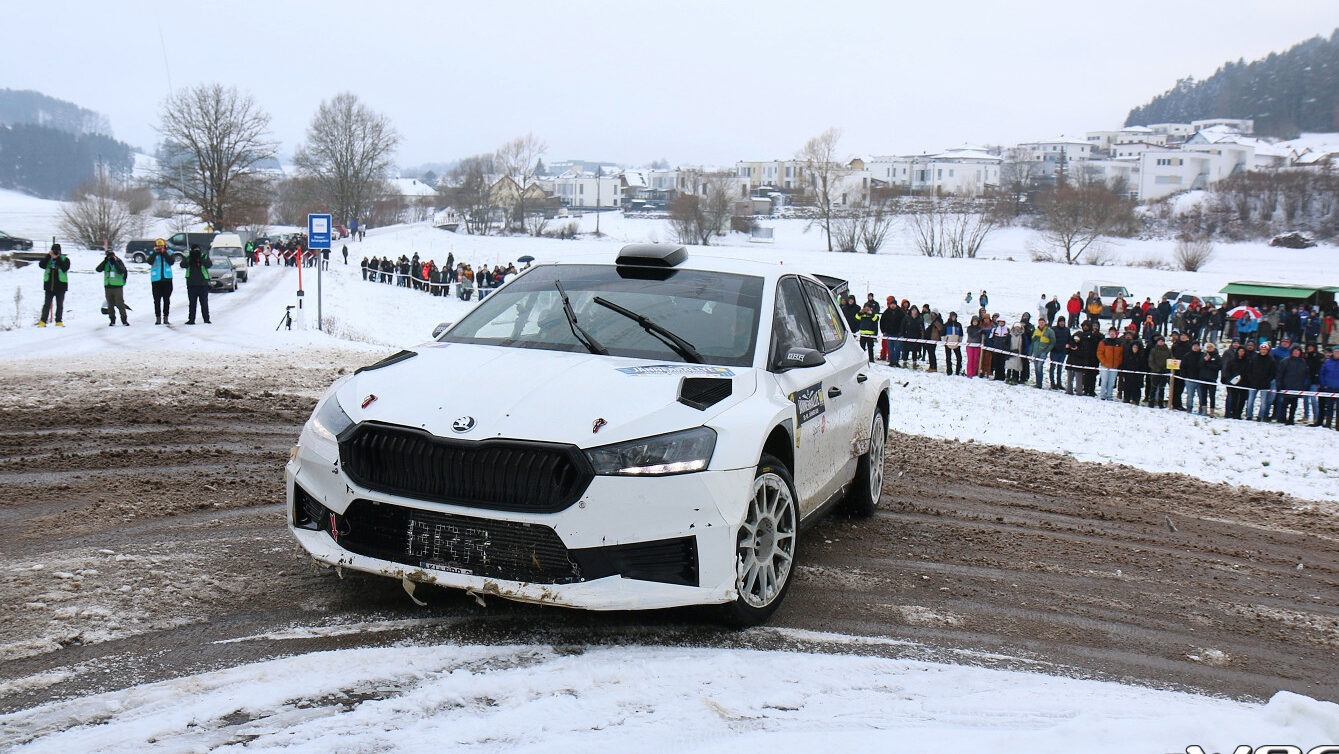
<point>55,281</point>
<point>114,284</point>
<point>197,283</point>
<point>160,279</point>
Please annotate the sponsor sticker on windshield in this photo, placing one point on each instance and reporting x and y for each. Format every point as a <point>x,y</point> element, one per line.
<point>680,369</point>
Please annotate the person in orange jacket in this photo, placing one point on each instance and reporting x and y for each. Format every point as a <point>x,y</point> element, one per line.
<point>1110,354</point>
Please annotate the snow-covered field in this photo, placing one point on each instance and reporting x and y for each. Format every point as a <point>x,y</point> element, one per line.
<point>539,698</point>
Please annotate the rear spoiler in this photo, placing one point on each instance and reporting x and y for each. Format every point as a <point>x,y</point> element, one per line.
<point>838,286</point>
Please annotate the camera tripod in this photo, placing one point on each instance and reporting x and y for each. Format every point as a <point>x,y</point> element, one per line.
<point>287,319</point>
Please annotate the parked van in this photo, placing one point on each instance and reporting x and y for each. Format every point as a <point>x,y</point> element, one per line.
<point>229,246</point>
<point>1107,291</point>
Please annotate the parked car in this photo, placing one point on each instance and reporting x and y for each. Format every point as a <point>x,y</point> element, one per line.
<point>1212,299</point>
<point>1107,291</point>
<point>139,250</point>
<point>14,243</point>
<point>694,416</point>
<point>341,231</point>
<point>179,243</point>
<point>222,277</point>
<point>228,246</point>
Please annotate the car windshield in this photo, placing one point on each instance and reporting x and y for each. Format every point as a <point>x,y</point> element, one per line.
<point>715,312</point>
<point>226,251</point>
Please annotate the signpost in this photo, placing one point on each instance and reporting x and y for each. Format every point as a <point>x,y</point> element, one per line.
<point>318,240</point>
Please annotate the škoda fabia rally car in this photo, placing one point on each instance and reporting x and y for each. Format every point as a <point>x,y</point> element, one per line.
<point>650,433</point>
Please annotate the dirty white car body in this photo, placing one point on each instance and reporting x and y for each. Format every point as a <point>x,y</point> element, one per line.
<point>511,457</point>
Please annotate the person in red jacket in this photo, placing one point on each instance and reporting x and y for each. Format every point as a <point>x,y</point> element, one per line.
<point>1074,306</point>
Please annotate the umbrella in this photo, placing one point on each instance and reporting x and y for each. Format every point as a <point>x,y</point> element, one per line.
<point>524,259</point>
<point>1241,311</point>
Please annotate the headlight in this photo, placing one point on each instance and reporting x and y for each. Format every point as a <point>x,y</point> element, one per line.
<point>675,453</point>
<point>330,419</point>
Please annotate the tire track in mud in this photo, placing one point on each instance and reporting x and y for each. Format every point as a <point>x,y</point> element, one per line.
<point>142,539</point>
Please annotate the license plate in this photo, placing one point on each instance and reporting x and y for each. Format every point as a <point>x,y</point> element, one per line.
<point>446,546</point>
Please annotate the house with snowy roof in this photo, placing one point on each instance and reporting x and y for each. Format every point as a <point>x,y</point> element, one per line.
<point>581,189</point>
<point>964,170</point>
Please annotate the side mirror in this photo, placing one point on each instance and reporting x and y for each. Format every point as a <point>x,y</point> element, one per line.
<point>798,358</point>
<point>441,328</point>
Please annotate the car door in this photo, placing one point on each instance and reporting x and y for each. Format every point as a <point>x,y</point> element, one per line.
<point>844,389</point>
<point>806,388</point>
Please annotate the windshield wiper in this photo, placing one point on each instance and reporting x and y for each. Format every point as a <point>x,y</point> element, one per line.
<point>680,346</point>
<point>578,331</point>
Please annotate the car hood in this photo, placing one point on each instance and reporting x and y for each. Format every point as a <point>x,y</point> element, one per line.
<point>522,393</point>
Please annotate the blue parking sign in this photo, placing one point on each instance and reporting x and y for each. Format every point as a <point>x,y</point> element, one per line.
<point>318,231</point>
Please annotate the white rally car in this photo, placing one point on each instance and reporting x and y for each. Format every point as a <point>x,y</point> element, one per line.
<point>645,434</point>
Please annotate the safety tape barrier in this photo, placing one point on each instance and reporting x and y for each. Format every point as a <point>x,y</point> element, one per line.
<point>1118,370</point>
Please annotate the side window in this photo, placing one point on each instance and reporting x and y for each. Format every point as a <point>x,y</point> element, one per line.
<point>792,326</point>
<point>831,323</point>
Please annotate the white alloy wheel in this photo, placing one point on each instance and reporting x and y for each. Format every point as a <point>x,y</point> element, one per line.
<point>878,438</point>
<point>766,545</point>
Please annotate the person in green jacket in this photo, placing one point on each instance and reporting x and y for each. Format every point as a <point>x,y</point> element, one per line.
<point>55,281</point>
<point>114,285</point>
<point>197,283</point>
<point>867,325</point>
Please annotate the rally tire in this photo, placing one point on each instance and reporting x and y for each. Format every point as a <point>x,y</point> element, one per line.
<point>867,487</point>
<point>766,546</point>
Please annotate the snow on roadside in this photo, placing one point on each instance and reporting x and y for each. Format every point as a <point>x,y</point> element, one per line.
<point>1297,460</point>
<point>540,698</point>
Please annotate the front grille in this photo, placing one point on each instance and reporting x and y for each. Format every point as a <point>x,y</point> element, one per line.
<point>506,475</point>
<point>508,550</point>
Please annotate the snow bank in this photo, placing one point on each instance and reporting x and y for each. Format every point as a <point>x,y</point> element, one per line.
<point>538,698</point>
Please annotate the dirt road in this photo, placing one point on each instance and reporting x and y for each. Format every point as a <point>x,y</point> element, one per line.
<point>142,539</point>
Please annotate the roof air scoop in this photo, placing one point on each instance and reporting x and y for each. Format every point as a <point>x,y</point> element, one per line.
<point>652,255</point>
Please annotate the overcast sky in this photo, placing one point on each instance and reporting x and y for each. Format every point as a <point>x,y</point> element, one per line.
<point>692,82</point>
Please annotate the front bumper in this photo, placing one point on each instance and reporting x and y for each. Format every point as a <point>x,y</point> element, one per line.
<point>616,537</point>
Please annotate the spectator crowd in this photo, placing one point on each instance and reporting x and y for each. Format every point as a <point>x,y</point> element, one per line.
<point>425,275</point>
<point>1157,355</point>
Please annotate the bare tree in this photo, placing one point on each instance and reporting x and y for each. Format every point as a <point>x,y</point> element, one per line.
<point>878,223</point>
<point>469,193</point>
<point>952,227</point>
<point>215,140</point>
<point>822,173</point>
<point>704,209</point>
<point>349,149</point>
<point>845,231</point>
<point>103,214</point>
<point>1019,174</point>
<point>1192,253</point>
<point>688,220</point>
<point>1076,216</point>
<point>519,160</point>
<point>295,198</point>
<point>720,201</point>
